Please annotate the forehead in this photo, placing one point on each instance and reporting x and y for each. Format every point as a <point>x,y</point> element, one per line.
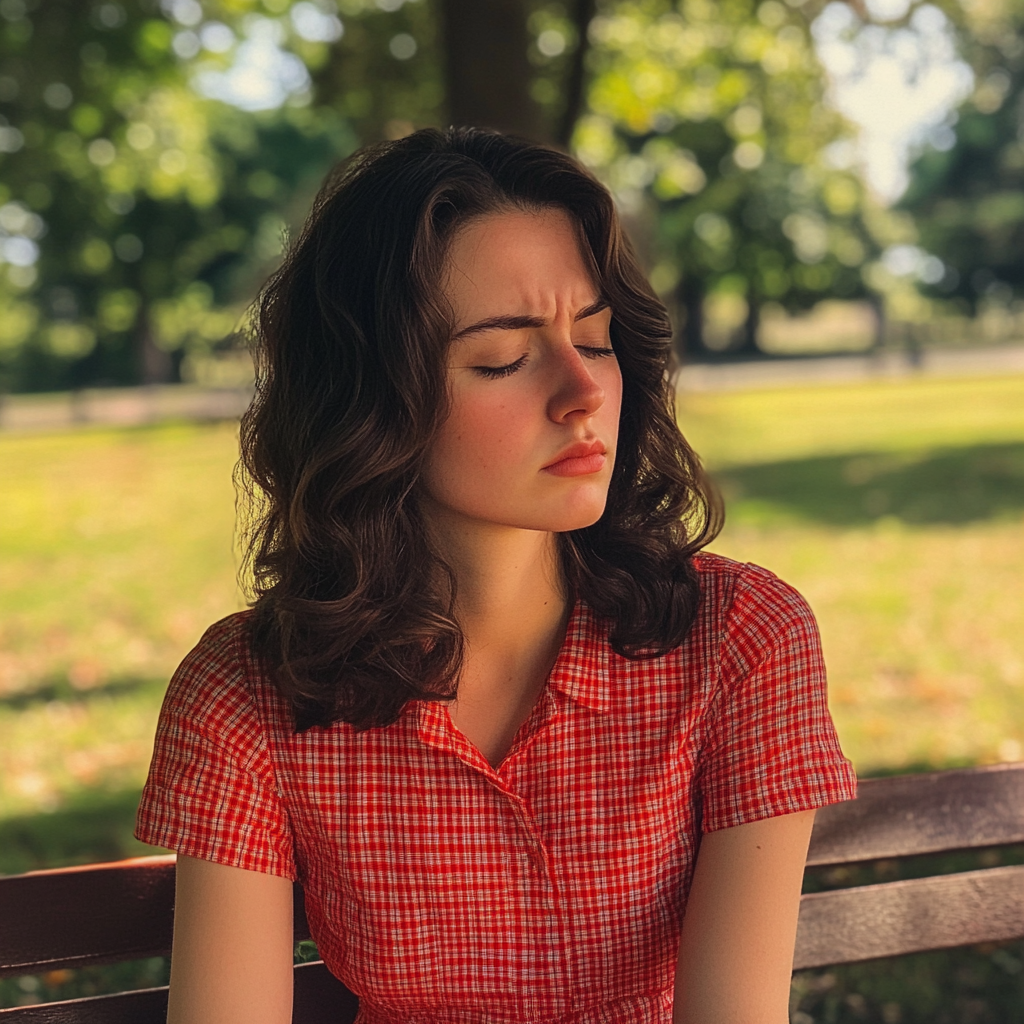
<point>519,260</point>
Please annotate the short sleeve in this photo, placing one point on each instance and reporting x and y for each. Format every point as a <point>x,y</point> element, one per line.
<point>772,748</point>
<point>211,791</point>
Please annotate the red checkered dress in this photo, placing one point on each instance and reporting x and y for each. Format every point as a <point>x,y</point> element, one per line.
<point>550,889</point>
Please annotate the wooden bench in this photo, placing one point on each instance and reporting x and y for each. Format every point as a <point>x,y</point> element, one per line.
<point>106,913</point>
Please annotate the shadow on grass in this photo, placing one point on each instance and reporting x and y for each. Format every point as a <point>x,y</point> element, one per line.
<point>60,689</point>
<point>89,829</point>
<point>954,486</point>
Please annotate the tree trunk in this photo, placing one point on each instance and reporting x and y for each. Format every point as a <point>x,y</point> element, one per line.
<point>878,307</point>
<point>749,345</point>
<point>153,363</point>
<point>690,300</point>
<point>575,82</point>
<point>487,72</point>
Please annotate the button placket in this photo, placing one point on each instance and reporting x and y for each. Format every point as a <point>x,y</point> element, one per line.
<point>439,731</point>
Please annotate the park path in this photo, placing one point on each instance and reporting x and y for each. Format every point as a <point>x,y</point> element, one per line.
<point>841,369</point>
<point>140,405</point>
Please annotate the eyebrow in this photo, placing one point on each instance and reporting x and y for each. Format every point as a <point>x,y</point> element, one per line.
<point>517,323</point>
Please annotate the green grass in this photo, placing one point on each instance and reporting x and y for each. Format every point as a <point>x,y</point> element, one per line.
<point>742,428</point>
<point>117,547</point>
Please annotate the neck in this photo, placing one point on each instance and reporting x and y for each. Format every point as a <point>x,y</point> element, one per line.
<point>510,593</point>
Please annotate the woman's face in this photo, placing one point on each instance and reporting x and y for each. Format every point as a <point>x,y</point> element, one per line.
<point>535,387</point>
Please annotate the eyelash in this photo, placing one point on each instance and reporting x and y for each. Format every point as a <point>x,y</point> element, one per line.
<point>495,372</point>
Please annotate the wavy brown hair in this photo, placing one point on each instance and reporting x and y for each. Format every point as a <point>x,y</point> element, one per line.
<point>354,610</point>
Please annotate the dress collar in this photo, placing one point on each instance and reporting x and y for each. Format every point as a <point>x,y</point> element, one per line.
<point>583,669</point>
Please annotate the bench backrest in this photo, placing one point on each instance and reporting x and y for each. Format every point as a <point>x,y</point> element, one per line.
<point>115,912</point>
<point>909,815</point>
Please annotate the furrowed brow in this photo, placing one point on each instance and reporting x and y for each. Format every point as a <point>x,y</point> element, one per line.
<point>591,310</point>
<point>518,323</point>
<point>501,323</point>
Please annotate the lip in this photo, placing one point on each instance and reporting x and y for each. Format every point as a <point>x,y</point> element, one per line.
<point>579,459</point>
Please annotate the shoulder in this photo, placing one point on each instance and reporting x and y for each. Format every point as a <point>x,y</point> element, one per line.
<point>749,607</point>
<point>217,689</point>
<point>219,660</point>
<point>227,640</point>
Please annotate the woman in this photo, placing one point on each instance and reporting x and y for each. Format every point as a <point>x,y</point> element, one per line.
<point>531,755</point>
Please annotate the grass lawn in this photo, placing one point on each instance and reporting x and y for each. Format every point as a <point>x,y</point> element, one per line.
<point>897,507</point>
<point>117,553</point>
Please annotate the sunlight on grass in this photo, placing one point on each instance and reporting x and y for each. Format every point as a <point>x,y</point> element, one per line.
<point>741,428</point>
<point>117,550</point>
<point>117,553</point>
<point>921,630</point>
<point>897,507</point>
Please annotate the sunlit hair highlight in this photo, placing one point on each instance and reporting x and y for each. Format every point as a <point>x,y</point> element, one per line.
<point>354,611</point>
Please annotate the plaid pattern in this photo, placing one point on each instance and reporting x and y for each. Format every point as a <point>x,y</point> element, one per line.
<point>551,889</point>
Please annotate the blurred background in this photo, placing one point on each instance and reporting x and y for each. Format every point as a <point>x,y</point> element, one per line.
<point>829,196</point>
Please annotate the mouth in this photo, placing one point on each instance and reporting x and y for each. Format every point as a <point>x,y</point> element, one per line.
<point>579,459</point>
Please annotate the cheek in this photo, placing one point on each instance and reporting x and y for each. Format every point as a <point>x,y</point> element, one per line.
<point>486,435</point>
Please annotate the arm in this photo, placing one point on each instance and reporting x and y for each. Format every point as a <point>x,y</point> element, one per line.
<point>231,961</point>
<point>736,948</point>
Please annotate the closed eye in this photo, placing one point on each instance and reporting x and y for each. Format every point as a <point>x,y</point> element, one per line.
<point>496,372</point>
<point>493,372</point>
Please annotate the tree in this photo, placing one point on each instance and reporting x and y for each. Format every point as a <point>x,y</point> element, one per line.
<point>491,67</point>
<point>713,117</point>
<point>967,185</point>
<point>130,205</point>
<point>144,190</point>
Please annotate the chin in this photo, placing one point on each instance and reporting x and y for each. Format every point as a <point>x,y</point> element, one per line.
<point>578,518</point>
<point>539,515</point>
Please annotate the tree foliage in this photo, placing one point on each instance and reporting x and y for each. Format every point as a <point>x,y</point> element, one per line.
<point>153,153</point>
<point>134,213</point>
<point>715,116</point>
<point>967,195</point>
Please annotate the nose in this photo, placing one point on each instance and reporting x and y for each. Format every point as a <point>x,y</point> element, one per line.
<point>575,392</point>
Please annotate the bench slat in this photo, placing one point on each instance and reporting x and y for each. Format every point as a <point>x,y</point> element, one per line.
<point>903,815</point>
<point>910,916</point>
<point>319,999</point>
<point>95,914</point>
<point>146,1006</point>
<point>100,913</point>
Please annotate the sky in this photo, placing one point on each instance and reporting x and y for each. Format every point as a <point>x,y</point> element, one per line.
<point>900,85</point>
